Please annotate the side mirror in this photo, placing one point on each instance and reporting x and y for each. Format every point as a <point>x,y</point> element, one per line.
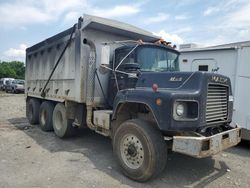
<point>105,55</point>
<point>105,59</point>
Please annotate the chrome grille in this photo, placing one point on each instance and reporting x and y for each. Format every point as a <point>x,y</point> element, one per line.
<point>217,103</point>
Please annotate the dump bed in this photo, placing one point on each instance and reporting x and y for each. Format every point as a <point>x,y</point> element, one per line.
<point>70,80</point>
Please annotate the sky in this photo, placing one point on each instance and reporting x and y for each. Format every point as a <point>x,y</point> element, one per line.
<point>24,23</point>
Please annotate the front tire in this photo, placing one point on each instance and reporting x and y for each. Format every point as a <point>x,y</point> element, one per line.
<point>62,126</point>
<point>45,116</point>
<point>140,149</point>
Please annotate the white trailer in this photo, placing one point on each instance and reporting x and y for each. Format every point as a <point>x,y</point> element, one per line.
<point>231,60</point>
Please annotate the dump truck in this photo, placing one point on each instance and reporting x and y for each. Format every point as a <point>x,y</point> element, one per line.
<point>124,83</point>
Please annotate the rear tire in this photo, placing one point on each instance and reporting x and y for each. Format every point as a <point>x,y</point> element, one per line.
<point>62,126</point>
<point>140,149</point>
<point>45,116</point>
<point>33,106</point>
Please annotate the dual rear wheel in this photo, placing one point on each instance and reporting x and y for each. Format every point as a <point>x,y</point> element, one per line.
<point>45,116</point>
<point>62,126</point>
<point>50,116</point>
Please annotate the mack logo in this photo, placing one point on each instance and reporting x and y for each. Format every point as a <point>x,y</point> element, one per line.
<point>219,79</point>
<point>175,79</point>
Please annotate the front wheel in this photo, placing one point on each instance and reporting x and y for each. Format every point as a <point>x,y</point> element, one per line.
<point>140,149</point>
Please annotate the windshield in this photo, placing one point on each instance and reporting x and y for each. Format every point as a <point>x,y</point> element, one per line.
<point>150,58</point>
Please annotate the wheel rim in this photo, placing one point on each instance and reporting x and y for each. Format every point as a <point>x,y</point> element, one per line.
<point>132,151</point>
<point>58,120</point>
<point>43,117</point>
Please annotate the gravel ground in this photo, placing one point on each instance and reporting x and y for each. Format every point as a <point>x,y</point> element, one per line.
<point>32,158</point>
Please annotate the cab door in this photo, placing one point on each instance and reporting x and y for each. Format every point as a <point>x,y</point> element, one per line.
<point>207,65</point>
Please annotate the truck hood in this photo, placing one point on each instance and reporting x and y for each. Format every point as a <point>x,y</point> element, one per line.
<point>164,79</point>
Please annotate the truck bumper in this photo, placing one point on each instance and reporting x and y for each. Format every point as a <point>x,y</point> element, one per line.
<point>201,147</point>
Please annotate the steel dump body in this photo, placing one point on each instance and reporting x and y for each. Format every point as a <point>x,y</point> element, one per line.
<point>70,79</point>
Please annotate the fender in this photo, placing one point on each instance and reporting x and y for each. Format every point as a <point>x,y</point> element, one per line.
<point>141,96</point>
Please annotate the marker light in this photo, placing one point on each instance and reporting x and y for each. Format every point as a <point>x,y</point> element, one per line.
<point>158,101</point>
<point>155,87</point>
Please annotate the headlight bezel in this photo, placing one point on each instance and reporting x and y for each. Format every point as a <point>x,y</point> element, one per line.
<point>191,110</point>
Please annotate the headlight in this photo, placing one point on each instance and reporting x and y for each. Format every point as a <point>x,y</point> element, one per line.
<point>180,109</point>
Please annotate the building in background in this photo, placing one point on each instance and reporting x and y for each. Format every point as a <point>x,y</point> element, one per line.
<point>232,60</point>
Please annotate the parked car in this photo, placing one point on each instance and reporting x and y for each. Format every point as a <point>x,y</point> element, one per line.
<point>3,83</point>
<point>8,86</point>
<point>15,86</point>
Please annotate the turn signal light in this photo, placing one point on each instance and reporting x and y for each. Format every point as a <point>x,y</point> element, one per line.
<point>158,102</point>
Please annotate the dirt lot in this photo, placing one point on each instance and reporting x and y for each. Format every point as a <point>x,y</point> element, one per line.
<point>32,158</point>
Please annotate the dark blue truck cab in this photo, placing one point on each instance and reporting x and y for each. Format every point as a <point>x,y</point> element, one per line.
<point>192,111</point>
